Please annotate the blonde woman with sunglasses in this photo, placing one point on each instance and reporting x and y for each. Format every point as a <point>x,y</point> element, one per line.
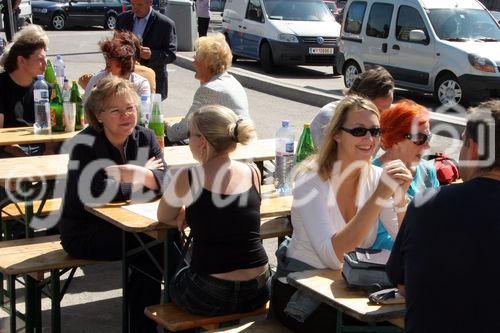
<point>338,198</point>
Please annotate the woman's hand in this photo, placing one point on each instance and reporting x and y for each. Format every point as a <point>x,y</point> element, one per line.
<point>154,164</point>
<point>396,176</point>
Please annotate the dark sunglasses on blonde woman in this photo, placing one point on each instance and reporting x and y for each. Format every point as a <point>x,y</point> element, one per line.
<point>361,131</point>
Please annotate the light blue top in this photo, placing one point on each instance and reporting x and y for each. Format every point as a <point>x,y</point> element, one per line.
<point>425,177</point>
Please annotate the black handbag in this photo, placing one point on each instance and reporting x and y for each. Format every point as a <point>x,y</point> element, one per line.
<point>365,269</point>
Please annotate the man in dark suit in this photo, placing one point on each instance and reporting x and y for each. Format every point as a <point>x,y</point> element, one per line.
<point>158,37</point>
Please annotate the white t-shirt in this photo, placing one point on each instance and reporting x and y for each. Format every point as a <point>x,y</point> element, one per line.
<point>141,84</point>
<point>203,8</point>
<point>316,218</point>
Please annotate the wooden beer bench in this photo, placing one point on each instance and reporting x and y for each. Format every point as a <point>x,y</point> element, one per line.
<point>32,258</point>
<point>174,319</point>
<point>258,326</point>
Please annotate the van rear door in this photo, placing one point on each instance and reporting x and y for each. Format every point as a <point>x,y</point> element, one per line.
<point>253,28</point>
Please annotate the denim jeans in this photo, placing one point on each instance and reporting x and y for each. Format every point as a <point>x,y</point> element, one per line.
<point>206,295</point>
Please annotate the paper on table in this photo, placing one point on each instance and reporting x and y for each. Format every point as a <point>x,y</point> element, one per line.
<point>145,209</point>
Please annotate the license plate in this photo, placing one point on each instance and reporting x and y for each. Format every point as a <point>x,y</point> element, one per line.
<point>321,50</point>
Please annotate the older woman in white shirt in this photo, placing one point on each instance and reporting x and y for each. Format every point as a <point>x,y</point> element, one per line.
<point>119,62</point>
<point>338,198</point>
<point>217,87</point>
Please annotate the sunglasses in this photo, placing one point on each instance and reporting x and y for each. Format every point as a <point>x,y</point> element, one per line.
<point>419,138</point>
<point>361,131</point>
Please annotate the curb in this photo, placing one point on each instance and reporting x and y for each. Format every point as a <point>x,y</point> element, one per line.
<point>271,86</point>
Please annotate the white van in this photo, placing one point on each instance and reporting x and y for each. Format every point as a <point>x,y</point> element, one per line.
<point>448,47</point>
<point>292,32</point>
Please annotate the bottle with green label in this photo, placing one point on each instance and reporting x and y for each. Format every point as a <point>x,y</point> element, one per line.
<point>156,121</point>
<point>77,99</point>
<point>56,109</point>
<point>306,146</point>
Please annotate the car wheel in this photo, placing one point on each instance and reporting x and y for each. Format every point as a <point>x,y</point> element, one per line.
<point>58,21</point>
<point>235,57</point>
<point>266,58</point>
<point>351,72</point>
<point>448,91</point>
<point>110,22</point>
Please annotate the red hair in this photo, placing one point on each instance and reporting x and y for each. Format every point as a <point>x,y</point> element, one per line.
<point>396,122</point>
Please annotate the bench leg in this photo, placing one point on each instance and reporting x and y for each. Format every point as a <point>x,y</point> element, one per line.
<point>56,301</point>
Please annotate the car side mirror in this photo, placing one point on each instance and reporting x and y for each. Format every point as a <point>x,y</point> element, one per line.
<point>417,36</point>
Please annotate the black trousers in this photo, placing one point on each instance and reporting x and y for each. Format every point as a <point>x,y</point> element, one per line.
<point>106,244</point>
<point>6,23</point>
<point>203,23</point>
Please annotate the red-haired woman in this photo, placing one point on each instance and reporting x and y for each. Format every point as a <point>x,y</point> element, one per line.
<point>119,62</point>
<point>405,136</point>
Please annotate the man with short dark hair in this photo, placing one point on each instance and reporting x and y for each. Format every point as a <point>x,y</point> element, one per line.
<point>445,258</point>
<point>158,37</point>
<point>375,83</point>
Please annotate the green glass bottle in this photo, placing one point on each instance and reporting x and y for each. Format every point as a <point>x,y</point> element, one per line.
<point>50,75</point>
<point>56,109</point>
<point>77,99</point>
<point>306,146</point>
<point>156,121</point>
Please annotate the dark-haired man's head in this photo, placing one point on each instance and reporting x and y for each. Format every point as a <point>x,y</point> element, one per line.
<point>480,152</point>
<point>376,84</point>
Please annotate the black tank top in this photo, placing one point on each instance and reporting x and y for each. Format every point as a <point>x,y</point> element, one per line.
<point>226,231</point>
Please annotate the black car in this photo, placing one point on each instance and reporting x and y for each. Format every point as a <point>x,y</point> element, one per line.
<point>59,14</point>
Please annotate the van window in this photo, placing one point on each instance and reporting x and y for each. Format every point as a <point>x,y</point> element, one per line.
<point>298,10</point>
<point>379,20</point>
<point>409,19</point>
<point>254,11</point>
<point>461,25</point>
<point>354,18</point>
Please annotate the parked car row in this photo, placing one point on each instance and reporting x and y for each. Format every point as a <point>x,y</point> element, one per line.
<point>59,14</point>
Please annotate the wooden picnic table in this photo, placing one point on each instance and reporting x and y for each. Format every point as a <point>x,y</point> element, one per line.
<point>329,287</point>
<point>26,135</point>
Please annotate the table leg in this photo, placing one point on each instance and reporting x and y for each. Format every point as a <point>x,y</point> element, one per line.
<point>28,209</point>
<point>125,322</point>
<point>33,306</point>
<point>56,301</point>
<point>11,288</point>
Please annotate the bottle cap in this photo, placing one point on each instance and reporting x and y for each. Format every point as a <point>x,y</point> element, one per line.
<point>39,77</point>
<point>58,57</point>
<point>285,123</point>
<point>144,98</point>
<point>307,125</point>
<point>156,98</point>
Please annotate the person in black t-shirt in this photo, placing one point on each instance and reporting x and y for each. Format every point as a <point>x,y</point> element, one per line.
<point>22,62</point>
<point>15,17</point>
<point>445,258</point>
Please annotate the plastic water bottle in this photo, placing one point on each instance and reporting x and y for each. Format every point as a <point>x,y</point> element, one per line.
<point>60,70</point>
<point>66,90</point>
<point>144,111</point>
<point>42,106</point>
<point>285,159</point>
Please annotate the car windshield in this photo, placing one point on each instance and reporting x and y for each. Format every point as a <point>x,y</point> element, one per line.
<point>457,24</point>
<point>297,10</point>
<point>332,6</point>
